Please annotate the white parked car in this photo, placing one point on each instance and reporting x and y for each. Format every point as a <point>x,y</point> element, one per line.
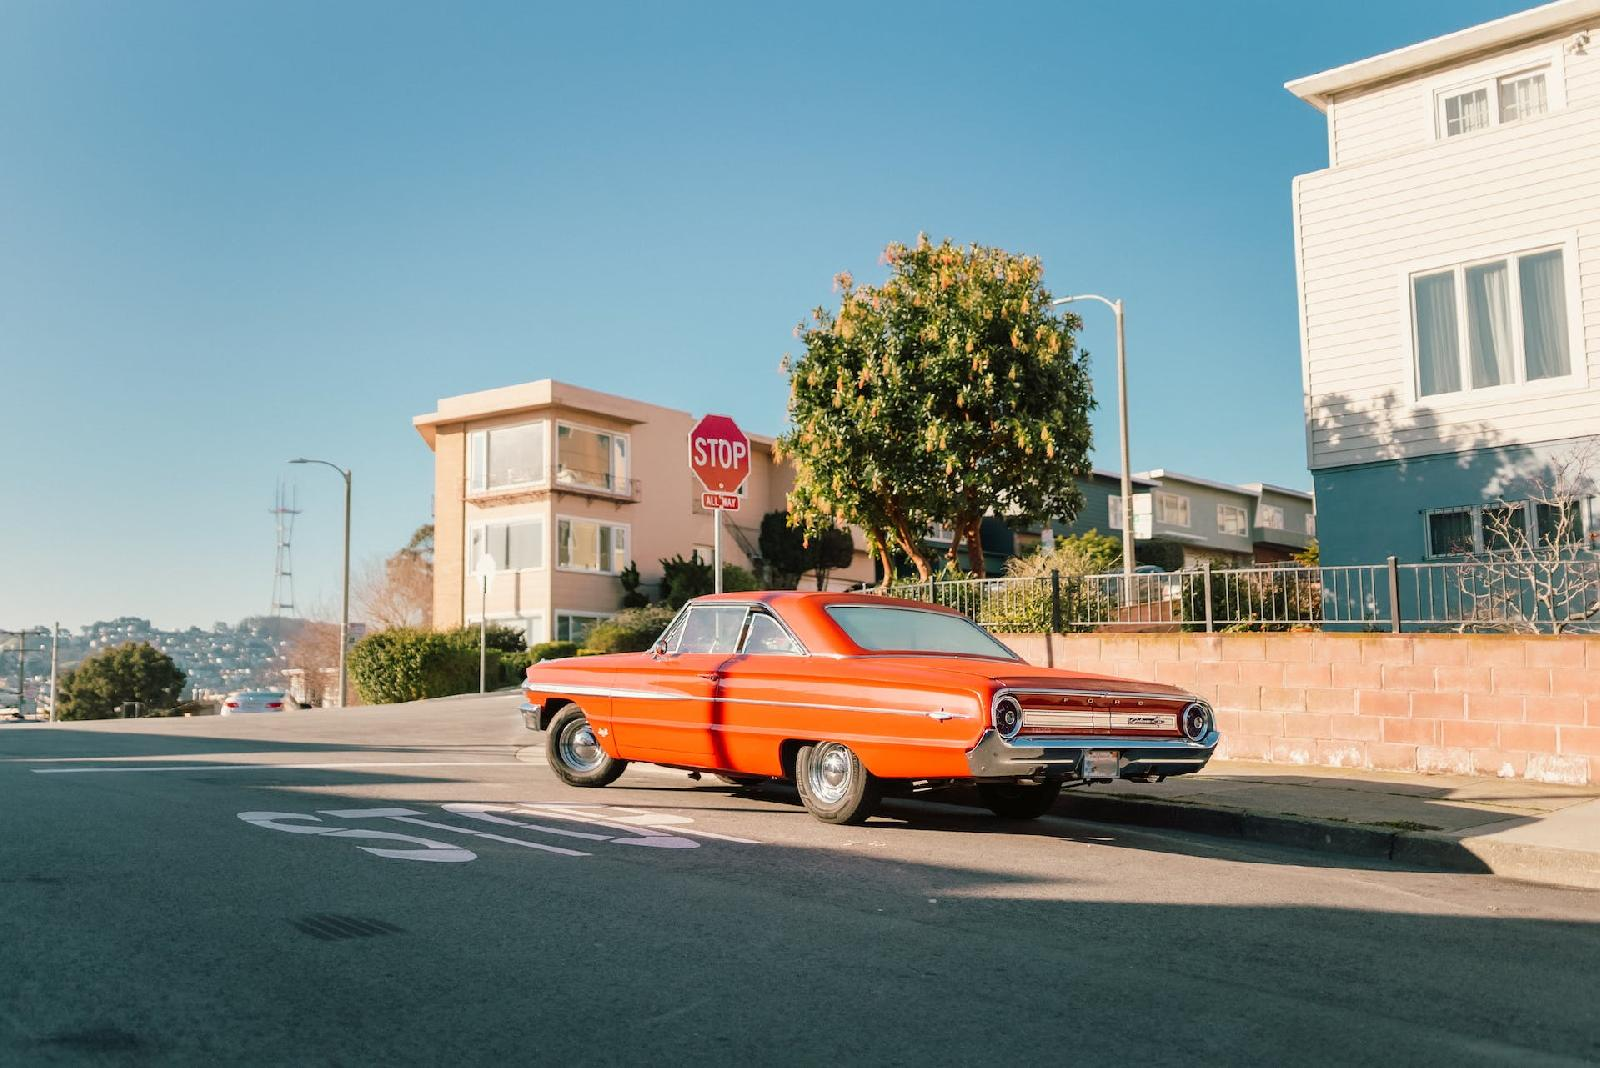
<point>255,701</point>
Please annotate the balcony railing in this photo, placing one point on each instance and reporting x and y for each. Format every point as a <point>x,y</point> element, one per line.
<point>562,479</point>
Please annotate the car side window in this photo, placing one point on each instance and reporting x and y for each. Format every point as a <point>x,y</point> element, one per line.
<point>711,628</point>
<point>767,636</point>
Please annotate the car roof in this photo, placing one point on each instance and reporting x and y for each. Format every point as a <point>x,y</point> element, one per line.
<point>806,614</point>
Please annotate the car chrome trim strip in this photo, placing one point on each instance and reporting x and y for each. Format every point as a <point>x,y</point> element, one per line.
<point>789,732</point>
<point>1022,691</point>
<point>654,695</point>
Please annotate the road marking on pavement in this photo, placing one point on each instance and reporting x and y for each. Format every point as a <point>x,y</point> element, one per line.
<point>646,829</point>
<point>283,767</point>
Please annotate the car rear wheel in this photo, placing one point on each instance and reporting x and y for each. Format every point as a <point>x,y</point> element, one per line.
<point>574,752</point>
<point>834,785</point>
<point>1020,801</point>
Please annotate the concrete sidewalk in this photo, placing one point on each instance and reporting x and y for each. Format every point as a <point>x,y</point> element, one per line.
<point>1510,827</point>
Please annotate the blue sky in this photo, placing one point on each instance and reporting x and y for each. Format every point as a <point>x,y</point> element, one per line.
<point>236,233</point>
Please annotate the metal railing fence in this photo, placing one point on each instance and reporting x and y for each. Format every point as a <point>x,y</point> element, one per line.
<point>1550,595</point>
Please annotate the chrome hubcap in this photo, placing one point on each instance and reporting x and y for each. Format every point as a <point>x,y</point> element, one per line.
<point>828,776</point>
<point>579,750</point>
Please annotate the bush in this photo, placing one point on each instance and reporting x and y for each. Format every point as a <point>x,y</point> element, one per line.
<point>553,650</point>
<point>736,579</point>
<point>135,671</point>
<point>632,630</point>
<point>404,664</point>
<point>632,596</point>
<point>514,667</point>
<point>684,580</point>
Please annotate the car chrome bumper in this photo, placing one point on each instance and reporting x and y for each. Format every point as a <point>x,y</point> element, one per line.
<point>530,715</point>
<point>995,758</point>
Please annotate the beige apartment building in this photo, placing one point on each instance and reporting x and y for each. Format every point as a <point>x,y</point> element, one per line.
<point>563,487</point>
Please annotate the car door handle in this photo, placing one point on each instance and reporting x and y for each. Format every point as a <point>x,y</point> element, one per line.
<point>941,715</point>
<point>710,676</point>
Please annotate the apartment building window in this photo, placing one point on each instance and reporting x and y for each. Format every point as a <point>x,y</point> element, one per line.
<point>515,545</point>
<point>529,625</point>
<point>1172,509</point>
<point>589,545</point>
<point>595,459</point>
<point>506,457</point>
<point>1269,517</point>
<point>1232,520</point>
<point>1498,322</point>
<point>575,626</point>
<point>1311,524</point>
<point>1493,102</point>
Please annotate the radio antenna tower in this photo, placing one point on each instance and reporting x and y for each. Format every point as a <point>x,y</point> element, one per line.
<point>283,512</point>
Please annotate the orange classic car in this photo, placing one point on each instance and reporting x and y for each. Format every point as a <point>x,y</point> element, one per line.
<point>854,696</point>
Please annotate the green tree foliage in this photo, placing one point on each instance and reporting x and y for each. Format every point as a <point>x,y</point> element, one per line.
<point>1310,556</point>
<point>632,596</point>
<point>783,551</point>
<point>1089,553</point>
<point>135,671</point>
<point>788,551</point>
<point>1167,555</point>
<point>951,390</point>
<point>633,630</point>
<point>736,579</point>
<point>683,580</point>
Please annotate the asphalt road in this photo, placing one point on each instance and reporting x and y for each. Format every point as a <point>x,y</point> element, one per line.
<point>343,888</point>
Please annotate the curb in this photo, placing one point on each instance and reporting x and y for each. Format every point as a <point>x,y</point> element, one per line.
<point>1429,850</point>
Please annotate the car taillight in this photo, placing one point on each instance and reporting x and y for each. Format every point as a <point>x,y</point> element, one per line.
<point>1195,721</point>
<point>274,704</point>
<point>232,704</point>
<point>1007,713</point>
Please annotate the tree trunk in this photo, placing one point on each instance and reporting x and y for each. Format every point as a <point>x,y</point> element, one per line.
<point>975,559</point>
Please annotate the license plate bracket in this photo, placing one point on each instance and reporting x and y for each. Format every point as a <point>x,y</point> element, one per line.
<point>1102,765</point>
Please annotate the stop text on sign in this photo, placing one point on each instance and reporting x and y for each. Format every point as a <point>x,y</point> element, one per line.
<point>719,456</point>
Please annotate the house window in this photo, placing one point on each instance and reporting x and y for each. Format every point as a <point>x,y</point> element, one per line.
<point>1503,527</point>
<point>1522,96</point>
<point>515,546</point>
<point>1515,314</point>
<point>1269,517</point>
<point>1232,520</point>
<point>1114,510</point>
<point>593,459</point>
<point>1172,509</point>
<point>505,457</point>
<point>1493,102</point>
<point>1311,524</point>
<point>1451,531</point>
<point>589,545</point>
<point>1465,112</point>
<point>1559,524</point>
<point>941,532</point>
<point>575,626</point>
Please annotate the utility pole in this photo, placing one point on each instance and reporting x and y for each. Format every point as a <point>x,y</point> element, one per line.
<point>55,659</point>
<point>22,672</point>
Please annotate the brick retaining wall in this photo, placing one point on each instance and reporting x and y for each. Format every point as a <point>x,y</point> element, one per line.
<point>1467,704</point>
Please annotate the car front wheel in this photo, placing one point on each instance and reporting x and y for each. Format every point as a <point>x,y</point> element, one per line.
<point>834,785</point>
<point>1020,801</point>
<point>574,752</point>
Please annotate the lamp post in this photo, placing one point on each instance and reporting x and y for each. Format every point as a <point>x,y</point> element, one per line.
<point>344,611</point>
<point>1122,412</point>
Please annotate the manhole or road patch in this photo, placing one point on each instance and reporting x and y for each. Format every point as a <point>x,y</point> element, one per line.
<point>330,928</point>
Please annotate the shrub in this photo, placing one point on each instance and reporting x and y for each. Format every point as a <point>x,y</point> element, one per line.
<point>553,650</point>
<point>404,664</point>
<point>632,630</point>
<point>632,596</point>
<point>514,667</point>
<point>736,579</point>
<point>683,580</point>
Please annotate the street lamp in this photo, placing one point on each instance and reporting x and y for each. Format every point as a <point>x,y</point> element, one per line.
<point>344,612</point>
<point>1122,409</point>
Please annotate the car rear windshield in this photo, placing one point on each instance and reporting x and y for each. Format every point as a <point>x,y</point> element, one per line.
<point>885,628</point>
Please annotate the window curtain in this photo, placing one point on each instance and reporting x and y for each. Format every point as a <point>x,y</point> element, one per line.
<point>1544,315</point>
<point>1522,97</point>
<point>1489,324</point>
<point>1438,345</point>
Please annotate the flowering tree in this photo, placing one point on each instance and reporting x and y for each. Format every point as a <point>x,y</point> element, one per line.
<point>948,392</point>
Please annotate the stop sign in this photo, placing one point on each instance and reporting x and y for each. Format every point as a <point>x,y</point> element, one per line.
<point>719,454</point>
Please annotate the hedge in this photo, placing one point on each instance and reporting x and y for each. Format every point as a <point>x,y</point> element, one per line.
<point>404,664</point>
<point>633,630</point>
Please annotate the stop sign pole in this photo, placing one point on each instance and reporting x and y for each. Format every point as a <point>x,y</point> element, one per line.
<point>719,456</point>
